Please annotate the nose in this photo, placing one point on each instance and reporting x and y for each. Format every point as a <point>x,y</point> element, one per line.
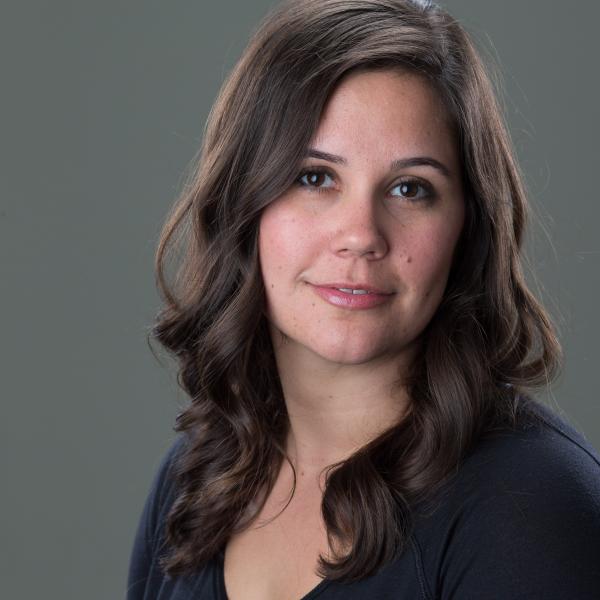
<point>358,232</point>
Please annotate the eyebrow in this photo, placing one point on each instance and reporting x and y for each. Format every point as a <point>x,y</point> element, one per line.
<point>401,163</point>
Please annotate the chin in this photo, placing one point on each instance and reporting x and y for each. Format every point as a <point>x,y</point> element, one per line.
<point>347,355</point>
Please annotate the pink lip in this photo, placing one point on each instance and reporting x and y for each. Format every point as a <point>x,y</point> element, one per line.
<point>350,301</point>
<point>353,286</point>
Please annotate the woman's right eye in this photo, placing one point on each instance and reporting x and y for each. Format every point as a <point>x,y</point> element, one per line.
<point>313,179</point>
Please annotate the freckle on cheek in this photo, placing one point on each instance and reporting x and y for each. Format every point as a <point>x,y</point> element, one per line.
<point>409,259</point>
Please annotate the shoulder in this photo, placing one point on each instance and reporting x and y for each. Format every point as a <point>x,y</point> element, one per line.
<point>542,457</point>
<point>542,452</point>
<point>162,489</point>
<point>521,517</point>
<point>143,570</point>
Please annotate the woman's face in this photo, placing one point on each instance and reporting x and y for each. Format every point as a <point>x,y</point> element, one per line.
<point>353,219</point>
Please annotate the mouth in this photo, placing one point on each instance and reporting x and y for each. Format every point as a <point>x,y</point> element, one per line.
<point>351,298</point>
<point>355,288</point>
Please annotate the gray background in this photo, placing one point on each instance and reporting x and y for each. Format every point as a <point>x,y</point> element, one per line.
<point>103,106</point>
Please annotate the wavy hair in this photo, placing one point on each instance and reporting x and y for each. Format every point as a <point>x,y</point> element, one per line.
<point>489,341</point>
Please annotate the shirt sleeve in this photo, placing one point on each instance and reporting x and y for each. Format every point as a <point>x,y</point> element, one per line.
<point>531,535</point>
<point>143,553</point>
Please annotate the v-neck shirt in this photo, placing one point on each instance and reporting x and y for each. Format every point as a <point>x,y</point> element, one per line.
<point>519,520</point>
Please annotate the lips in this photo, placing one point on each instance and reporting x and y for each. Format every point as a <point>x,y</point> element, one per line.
<point>348,300</point>
<point>373,289</point>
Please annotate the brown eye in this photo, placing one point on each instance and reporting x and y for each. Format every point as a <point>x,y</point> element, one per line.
<point>413,189</point>
<point>409,188</point>
<point>314,179</point>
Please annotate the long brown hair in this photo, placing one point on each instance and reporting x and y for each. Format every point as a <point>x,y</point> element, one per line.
<point>489,341</point>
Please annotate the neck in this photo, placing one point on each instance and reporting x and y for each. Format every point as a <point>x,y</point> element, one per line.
<point>336,409</point>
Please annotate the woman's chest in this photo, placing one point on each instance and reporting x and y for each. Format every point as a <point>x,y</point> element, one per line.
<point>277,559</point>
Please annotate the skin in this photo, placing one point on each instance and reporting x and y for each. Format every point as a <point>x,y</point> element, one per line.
<point>342,370</point>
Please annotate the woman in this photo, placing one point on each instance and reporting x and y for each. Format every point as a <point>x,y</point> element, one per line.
<point>356,336</point>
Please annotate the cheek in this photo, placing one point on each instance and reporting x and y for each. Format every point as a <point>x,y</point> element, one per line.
<point>431,258</point>
<point>282,245</point>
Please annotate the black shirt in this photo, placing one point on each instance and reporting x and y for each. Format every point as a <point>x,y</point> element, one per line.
<point>520,520</point>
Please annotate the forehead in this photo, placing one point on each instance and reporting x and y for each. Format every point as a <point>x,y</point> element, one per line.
<point>389,109</point>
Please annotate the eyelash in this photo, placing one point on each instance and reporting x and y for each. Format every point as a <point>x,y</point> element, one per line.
<point>428,195</point>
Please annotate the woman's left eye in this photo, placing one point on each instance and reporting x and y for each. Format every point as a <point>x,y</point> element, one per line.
<point>409,189</point>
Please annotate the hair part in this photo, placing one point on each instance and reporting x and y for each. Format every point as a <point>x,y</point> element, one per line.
<point>488,343</point>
